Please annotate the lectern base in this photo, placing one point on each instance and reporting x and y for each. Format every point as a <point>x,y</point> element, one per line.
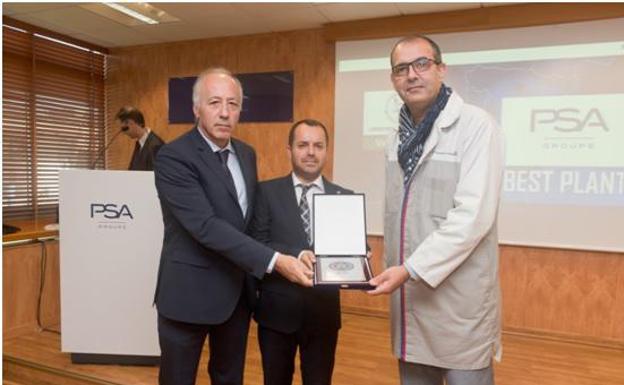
<point>114,359</point>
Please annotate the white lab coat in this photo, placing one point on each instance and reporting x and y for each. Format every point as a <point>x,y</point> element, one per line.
<point>451,317</point>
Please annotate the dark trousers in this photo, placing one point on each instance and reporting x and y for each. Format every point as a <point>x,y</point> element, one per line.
<point>316,351</point>
<point>181,345</point>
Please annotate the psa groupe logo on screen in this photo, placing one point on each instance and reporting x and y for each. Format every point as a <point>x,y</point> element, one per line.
<point>566,130</point>
<point>111,216</point>
<point>559,122</point>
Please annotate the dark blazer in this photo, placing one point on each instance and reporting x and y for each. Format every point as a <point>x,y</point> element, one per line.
<point>282,305</point>
<point>143,160</point>
<point>205,252</point>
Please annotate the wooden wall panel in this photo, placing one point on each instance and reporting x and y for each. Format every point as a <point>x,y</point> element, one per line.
<point>578,294</point>
<point>51,296</point>
<point>563,291</point>
<point>140,77</point>
<point>21,274</point>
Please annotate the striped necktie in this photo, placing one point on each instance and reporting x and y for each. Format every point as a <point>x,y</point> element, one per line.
<point>304,210</point>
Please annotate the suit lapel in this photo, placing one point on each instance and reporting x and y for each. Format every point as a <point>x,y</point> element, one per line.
<point>212,161</point>
<point>147,145</point>
<point>142,155</point>
<point>135,156</point>
<point>330,188</point>
<point>144,152</point>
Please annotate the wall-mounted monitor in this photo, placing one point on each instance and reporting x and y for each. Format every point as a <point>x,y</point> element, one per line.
<point>268,97</point>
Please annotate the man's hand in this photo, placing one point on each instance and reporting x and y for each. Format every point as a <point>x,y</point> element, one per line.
<point>294,270</point>
<point>389,280</point>
<point>308,258</point>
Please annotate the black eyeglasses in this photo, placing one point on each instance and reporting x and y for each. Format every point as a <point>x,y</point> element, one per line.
<point>419,65</point>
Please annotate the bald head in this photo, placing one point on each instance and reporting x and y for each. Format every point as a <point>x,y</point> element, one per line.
<point>214,72</point>
<point>437,54</point>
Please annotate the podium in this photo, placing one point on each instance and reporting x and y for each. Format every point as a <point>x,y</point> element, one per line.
<point>111,234</point>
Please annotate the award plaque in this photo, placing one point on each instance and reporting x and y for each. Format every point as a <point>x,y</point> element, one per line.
<point>340,241</point>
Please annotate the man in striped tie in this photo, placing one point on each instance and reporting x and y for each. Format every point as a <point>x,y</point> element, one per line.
<point>291,316</point>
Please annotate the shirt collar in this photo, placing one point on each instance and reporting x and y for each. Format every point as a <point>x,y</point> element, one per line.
<point>213,145</point>
<point>318,182</point>
<point>143,139</point>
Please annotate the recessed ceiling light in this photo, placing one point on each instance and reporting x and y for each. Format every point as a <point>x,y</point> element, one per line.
<point>131,13</point>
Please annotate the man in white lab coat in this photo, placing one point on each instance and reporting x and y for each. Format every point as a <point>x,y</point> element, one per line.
<point>444,167</point>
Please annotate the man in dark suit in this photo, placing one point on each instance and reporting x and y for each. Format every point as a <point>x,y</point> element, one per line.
<point>206,181</point>
<point>147,142</point>
<point>290,316</point>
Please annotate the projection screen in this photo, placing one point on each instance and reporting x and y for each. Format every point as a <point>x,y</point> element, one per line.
<point>558,93</point>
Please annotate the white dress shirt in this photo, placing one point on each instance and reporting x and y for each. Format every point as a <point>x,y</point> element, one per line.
<point>235,169</point>
<point>143,138</point>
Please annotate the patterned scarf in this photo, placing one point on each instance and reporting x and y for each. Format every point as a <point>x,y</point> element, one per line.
<point>412,136</point>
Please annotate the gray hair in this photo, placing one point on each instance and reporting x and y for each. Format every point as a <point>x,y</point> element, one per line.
<point>211,71</point>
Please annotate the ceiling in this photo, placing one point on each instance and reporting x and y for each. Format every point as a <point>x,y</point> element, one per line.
<point>84,21</point>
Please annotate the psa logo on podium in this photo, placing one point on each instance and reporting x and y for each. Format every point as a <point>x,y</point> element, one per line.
<point>111,215</point>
